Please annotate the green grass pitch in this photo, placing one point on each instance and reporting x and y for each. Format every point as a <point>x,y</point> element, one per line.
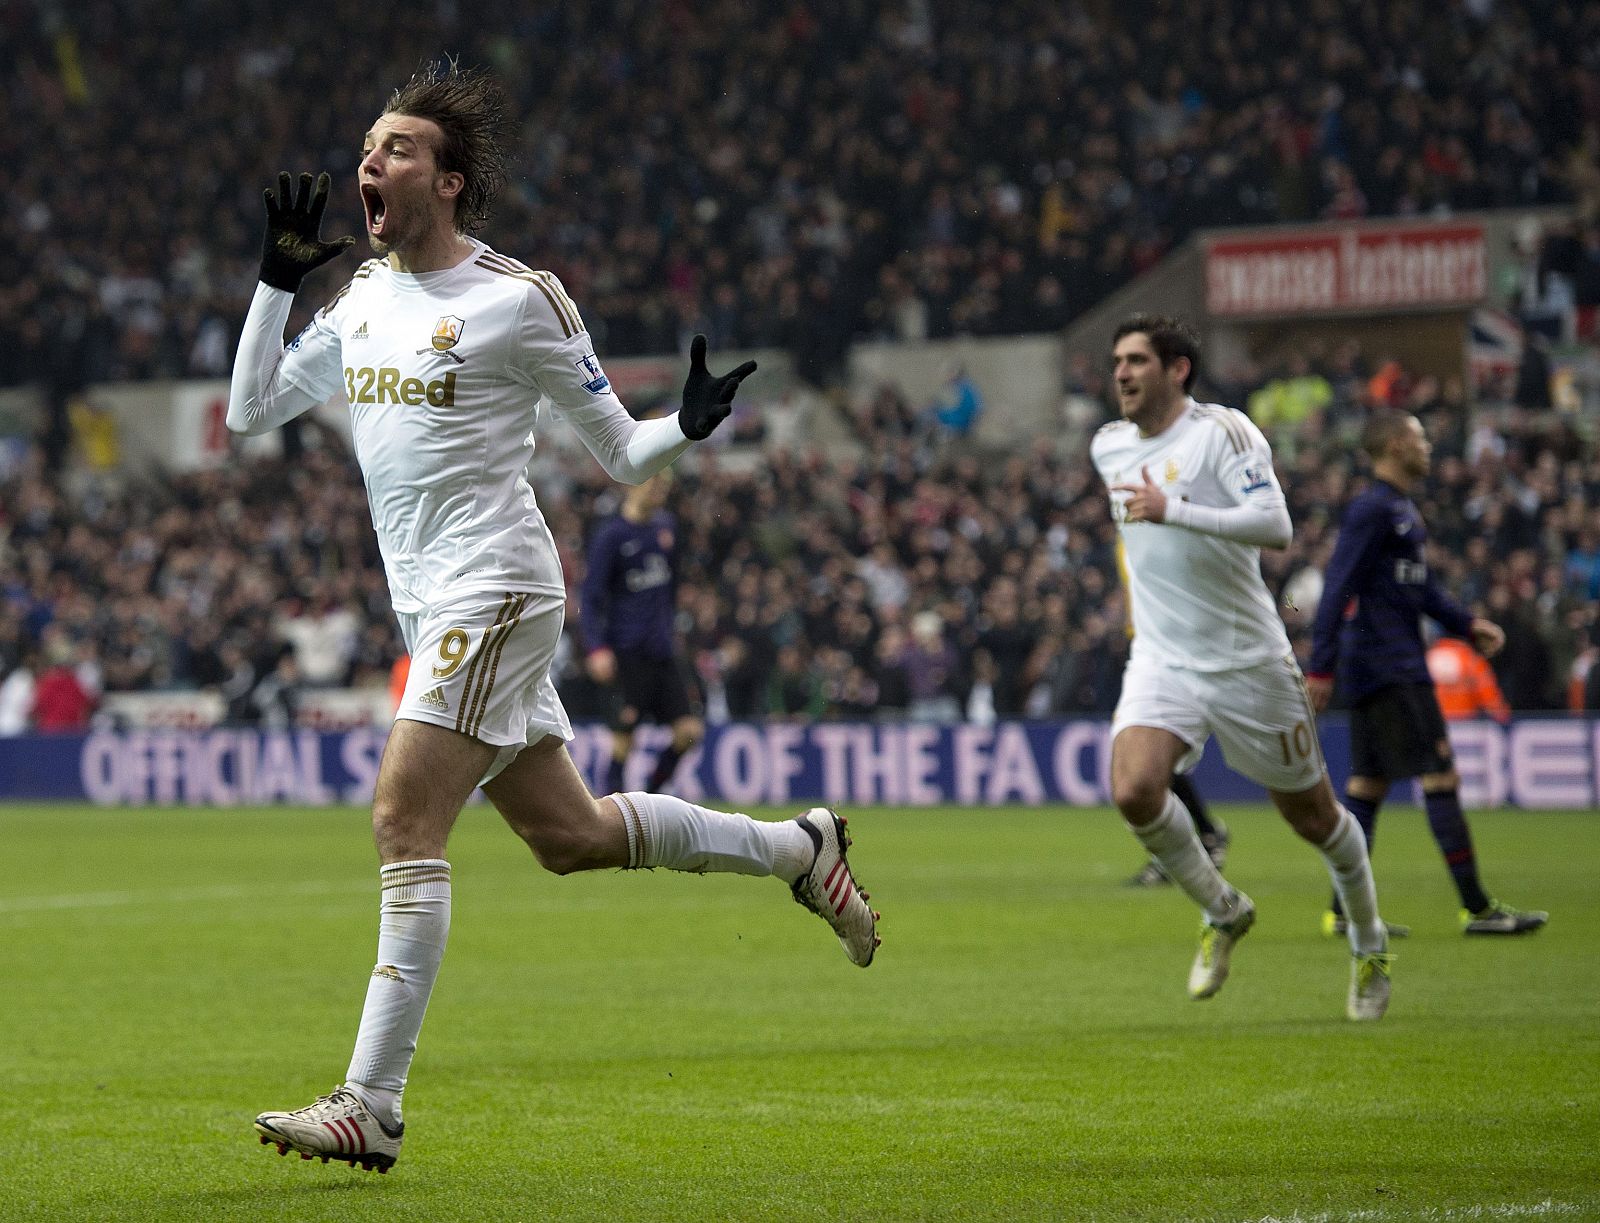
<point>633,1046</point>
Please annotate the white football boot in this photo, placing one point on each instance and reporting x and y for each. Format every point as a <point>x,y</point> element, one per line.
<point>1369,985</point>
<point>338,1126</point>
<point>1210,968</point>
<point>829,890</point>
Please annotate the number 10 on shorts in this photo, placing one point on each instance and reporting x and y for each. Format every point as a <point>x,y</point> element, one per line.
<point>1296,743</point>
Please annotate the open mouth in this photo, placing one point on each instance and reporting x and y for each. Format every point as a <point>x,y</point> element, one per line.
<point>372,201</point>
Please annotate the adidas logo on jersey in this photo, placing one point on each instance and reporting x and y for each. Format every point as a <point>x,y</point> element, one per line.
<point>360,333</point>
<point>434,699</point>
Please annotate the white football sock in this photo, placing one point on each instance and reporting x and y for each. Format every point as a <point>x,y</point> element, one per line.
<point>1345,852</point>
<point>666,831</point>
<point>414,923</point>
<point>1173,842</point>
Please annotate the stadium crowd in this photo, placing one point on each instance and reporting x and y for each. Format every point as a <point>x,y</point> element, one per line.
<point>925,579</point>
<point>798,174</point>
<point>792,173</point>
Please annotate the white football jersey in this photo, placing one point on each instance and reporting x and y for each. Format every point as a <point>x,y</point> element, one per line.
<point>1197,600</point>
<point>445,372</point>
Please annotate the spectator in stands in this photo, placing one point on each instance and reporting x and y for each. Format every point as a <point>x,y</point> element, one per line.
<point>17,696</point>
<point>1588,675</point>
<point>930,665</point>
<point>889,674</point>
<point>1389,385</point>
<point>60,701</point>
<point>1523,667</point>
<point>323,635</point>
<point>959,405</point>
<point>238,681</point>
<point>743,676</point>
<point>275,699</point>
<point>1284,406</point>
<point>794,690</point>
<point>1533,374</point>
<point>1006,641</point>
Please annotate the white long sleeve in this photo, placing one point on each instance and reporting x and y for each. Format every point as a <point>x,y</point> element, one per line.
<point>259,398</point>
<point>631,451</point>
<point>1264,526</point>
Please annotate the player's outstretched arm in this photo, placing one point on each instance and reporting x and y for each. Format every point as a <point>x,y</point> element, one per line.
<point>292,247</point>
<point>707,400</point>
<point>634,450</point>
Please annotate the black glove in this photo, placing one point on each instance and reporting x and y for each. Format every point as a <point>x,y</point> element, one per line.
<point>707,400</point>
<point>293,245</point>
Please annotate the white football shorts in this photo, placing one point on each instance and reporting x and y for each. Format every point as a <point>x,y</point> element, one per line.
<point>1261,716</point>
<point>480,664</point>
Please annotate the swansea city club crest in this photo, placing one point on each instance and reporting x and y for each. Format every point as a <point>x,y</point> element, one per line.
<point>447,332</point>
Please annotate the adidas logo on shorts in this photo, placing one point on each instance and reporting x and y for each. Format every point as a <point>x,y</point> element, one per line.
<point>434,699</point>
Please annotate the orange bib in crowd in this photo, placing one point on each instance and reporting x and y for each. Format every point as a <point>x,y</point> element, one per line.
<point>398,675</point>
<point>1464,681</point>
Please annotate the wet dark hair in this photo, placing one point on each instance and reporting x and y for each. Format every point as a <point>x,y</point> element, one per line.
<point>1383,426</point>
<point>1171,338</point>
<point>469,108</point>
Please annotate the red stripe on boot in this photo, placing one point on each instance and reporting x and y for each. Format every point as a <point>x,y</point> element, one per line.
<point>844,897</point>
<point>839,889</point>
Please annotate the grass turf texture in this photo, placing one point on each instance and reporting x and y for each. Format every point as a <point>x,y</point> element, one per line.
<point>619,1046</point>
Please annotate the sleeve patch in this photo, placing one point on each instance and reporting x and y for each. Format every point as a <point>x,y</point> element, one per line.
<point>594,378</point>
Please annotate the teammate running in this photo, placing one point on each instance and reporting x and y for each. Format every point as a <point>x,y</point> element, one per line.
<point>1195,499</point>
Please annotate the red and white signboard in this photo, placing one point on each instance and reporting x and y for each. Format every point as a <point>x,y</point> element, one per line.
<point>1346,269</point>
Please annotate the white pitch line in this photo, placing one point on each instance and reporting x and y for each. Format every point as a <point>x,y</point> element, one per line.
<point>1427,1214</point>
<point>67,901</point>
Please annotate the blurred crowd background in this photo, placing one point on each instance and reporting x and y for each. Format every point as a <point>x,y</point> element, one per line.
<point>803,176</point>
<point>925,580</point>
<point>789,173</point>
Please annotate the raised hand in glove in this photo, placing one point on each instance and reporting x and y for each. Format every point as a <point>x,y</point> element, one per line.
<point>707,400</point>
<point>293,246</point>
